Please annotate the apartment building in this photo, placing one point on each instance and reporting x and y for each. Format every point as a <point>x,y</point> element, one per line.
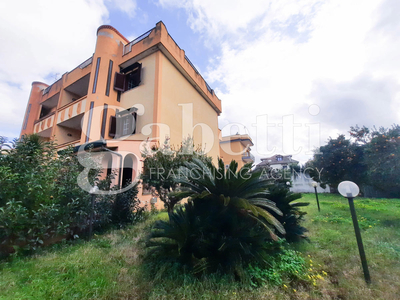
<point>277,162</point>
<point>128,92</point>
<point>236,147</point>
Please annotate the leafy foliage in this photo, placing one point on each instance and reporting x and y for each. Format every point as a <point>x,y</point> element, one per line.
<point>40,199</point>
<point>125,208</point>
<point>371,157</point>
<point>292,216</point>
<point>286,265</point>
<point>225,225</point>
<point>279,192</point>
<point>382,158</point>
<point>162,163</point>
<point>340,160</point>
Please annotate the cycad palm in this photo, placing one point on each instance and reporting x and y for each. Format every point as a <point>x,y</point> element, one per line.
<point>243,189</point>
<point>224,226</point>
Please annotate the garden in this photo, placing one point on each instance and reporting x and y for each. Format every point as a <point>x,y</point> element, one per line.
<point>229,233</point>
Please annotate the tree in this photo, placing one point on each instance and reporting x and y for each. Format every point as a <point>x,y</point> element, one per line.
<point>161,164</point>
<point>340,160</point>
<point>371,157</point>
<point>382,158</point>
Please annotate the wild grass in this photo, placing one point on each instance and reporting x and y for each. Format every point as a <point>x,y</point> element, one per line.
<point>110,266</point>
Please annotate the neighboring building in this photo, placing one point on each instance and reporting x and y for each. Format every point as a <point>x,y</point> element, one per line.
<point>277,161</point>
<point>127,93</point>
<point>236,147</point>
<point>301,182</point>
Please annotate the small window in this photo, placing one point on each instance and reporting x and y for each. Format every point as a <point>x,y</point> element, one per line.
<point>126,126</point>
<point>279,158</point>
<point>123,124</point>
<point>113,126</point>
<point>129,78</point>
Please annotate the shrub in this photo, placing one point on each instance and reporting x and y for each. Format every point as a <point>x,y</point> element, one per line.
<point>224,227</point>
<point>291,217</point>
<point>125,208</point>
<point>40,200</point>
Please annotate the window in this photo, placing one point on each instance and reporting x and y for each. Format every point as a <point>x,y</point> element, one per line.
<point>27,116</point>
<point>96,75</point>
<point>124,123</point>
<point>279,158</point>
<point>125,126</point>
<point>110,66</point>
<point>129,78</point>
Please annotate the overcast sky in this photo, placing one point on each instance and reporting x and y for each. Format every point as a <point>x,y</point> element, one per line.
<point>321,65</point>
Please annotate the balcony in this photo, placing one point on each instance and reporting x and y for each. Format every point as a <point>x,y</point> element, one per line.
<point>43,126</point>
<point>71,110</point>
<point>75,91</point>
<point>248,157</point>
<point>49,106</point>
<point>68,144</point>
<point>69,131</point>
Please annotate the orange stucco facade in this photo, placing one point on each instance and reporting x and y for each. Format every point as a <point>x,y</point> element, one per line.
<point>127,93</point>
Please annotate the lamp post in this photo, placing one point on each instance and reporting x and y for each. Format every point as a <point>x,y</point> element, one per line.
<point>350,190</point>
<point>92,193</point>
<point>314,185</point>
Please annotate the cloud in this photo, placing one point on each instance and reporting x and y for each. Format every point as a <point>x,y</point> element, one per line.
<point>278,58</point>
<point>363,101</point>
<point>129,7</point>
<point>40,40</point>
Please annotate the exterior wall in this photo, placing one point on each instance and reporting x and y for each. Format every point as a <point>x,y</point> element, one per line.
<point>177,91</point>
<point>142,95</point>
<point>34,102</point>
<point>302,184</point>
<point>109,46</point>
<point>234,147</point>
<point>171,92</point>
<point>277,166</point>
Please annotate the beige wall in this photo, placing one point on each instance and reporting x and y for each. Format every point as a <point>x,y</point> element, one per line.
<point>234,147</point>
<point>61,134</point>
<point>142,94</point>
<point>175,90</point>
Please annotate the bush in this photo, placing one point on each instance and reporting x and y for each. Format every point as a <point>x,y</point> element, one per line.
<point>126,209</point>
<point>41,202</point>
<point>291,217</point>
<point>224,227</point>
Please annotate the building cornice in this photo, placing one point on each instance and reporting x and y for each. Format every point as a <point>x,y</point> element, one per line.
<point>113,29</point>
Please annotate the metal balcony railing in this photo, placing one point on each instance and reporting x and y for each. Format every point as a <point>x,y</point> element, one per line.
<point>128,47</point>
<point>86,63</point>
<point>248,157</point>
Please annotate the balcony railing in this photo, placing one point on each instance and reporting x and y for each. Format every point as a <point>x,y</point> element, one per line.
<point>44,123</point>
<point>248,157</point>
<point>86,63</point>
<point>128,47</point>
<point>197,72</point>
<point>67,144</point>
<point>71,110</point>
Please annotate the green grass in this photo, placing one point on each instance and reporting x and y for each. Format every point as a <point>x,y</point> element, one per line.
<point>109,267</point>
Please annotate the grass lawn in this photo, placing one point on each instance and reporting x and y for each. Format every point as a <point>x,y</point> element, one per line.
<point>109,267</point>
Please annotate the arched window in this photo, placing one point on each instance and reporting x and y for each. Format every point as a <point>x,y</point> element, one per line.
<point>129,169</point>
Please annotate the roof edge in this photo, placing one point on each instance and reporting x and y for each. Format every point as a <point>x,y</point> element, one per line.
<point>113,29</point>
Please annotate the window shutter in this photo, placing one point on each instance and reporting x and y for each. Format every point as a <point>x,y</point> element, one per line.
<point>133,122</point>
<point>113,126</point>
<point>119,84</point>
